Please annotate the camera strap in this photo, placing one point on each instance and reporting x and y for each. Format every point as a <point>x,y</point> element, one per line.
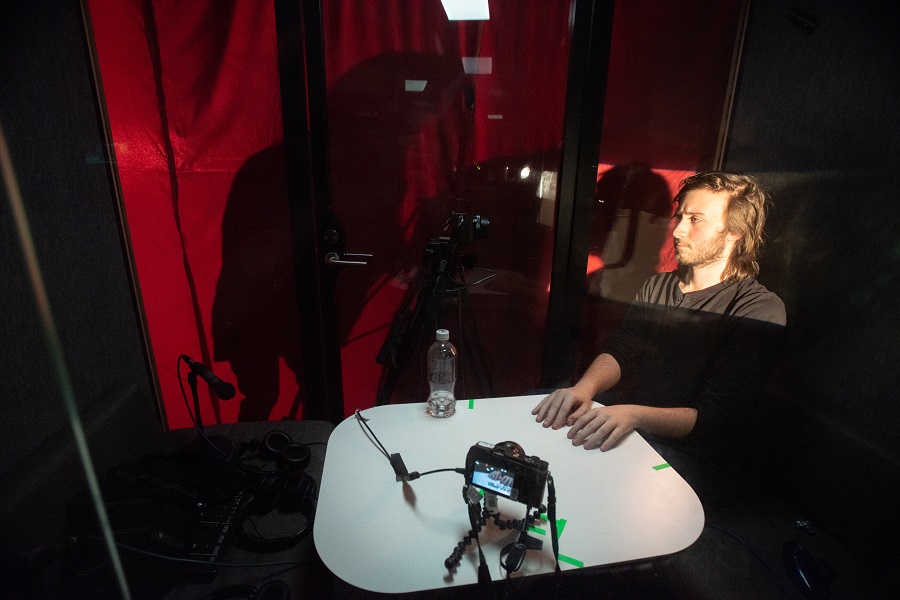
<point>551,516</point>
<point>485,585</point>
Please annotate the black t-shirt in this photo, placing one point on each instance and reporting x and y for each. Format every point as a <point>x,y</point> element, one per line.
<point>710,350</point>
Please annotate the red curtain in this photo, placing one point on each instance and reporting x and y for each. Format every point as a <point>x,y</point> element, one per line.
<point>191,92</point>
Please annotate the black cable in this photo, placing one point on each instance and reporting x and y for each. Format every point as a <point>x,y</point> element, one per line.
<point>513,555</point>
<point>415,474</point>
<point>363,423</point>
<point>135,549</point>
<point>773,571</point>
<point>463,285</point>
<point>396,461</point>
<point>448,470</point>
<point>255,528</point>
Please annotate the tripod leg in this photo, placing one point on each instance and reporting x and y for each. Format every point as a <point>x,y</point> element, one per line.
<point>386,386</point>
<point>478,358</point>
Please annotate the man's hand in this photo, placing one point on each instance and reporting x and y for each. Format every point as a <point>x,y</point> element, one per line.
<point>604,426</point>
<point>562,407</point>
<point>565,406</point>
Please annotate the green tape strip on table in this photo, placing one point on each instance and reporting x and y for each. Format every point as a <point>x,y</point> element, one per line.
<point>560,526</point>
<point>570,560</point>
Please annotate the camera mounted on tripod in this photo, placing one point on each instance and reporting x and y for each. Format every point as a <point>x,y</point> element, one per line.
<point>444,253</point>
<point>441,281</point>
<point>506,470</point>
<point>463,228</point>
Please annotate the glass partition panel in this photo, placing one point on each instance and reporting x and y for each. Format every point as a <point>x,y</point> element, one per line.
<point>444,143</point>
<point>668,98</point>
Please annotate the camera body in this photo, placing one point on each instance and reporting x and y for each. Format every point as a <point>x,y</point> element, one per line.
<point>504,469</point>
<point>445,252</point>
<point>463,228</point>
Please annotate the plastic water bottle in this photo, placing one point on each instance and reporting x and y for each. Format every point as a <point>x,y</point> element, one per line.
<point>441,375</point>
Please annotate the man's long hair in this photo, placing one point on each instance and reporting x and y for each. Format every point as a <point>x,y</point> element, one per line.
<point>745,215</point>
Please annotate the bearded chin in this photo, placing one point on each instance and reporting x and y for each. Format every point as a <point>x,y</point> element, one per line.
<point>707,254</point>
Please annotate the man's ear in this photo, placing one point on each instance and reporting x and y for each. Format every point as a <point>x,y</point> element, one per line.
<point>733,236</point>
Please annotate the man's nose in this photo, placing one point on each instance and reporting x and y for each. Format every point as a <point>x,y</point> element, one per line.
<point>679,230</point>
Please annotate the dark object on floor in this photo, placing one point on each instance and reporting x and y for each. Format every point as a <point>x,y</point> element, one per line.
<point>812,576</point>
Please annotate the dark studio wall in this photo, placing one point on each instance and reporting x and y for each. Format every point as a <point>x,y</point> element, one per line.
<point>816,117</point>
<point>50,119</point>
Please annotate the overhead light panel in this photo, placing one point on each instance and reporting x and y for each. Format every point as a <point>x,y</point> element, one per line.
<point>466,10</point>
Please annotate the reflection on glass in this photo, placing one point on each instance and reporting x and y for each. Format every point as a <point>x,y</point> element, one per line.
<point>475,141</point>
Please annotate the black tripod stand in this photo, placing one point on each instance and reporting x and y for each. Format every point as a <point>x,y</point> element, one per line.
<point>439,284</point>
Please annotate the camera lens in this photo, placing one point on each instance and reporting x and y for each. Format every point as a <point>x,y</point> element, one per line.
<point>480,227</point>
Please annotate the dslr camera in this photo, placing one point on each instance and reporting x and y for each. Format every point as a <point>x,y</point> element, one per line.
<point>463,228</point>
<point>504,469</point>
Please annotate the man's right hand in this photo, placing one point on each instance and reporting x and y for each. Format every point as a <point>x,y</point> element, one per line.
<point>562,407</point>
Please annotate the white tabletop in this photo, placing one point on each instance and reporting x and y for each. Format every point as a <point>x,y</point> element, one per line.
<point>386,536</point>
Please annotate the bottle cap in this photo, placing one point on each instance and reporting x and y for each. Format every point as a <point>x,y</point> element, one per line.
<point>442,335</point>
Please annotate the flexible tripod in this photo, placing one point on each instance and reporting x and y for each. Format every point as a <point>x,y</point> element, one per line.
<point>513,554</point>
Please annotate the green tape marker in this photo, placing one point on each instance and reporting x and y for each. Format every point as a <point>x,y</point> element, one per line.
<point>661,467</point>
<point>570,560</point>
<point>471,403</point>
<point>560,526</point>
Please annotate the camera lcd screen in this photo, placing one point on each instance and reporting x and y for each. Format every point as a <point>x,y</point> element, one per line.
<point>492,478</point>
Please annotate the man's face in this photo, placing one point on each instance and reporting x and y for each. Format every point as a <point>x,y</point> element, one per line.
<point>700,236</point>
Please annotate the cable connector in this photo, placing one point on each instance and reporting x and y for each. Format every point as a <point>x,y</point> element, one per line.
<point>399,467</point>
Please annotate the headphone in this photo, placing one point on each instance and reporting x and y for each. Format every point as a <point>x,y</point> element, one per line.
<point>277,447</point>
<point>285,486</point>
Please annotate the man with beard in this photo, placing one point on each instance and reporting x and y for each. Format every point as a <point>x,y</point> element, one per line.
<point>692,355</point>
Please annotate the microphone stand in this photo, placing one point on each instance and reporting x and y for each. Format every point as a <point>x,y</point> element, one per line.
<point>192,382</point>
<point>218,443</point>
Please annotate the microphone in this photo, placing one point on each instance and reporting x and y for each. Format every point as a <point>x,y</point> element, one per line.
<point>224,390</point>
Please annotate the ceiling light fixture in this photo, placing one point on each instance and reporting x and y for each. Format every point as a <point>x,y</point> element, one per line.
<point>466,10</point>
